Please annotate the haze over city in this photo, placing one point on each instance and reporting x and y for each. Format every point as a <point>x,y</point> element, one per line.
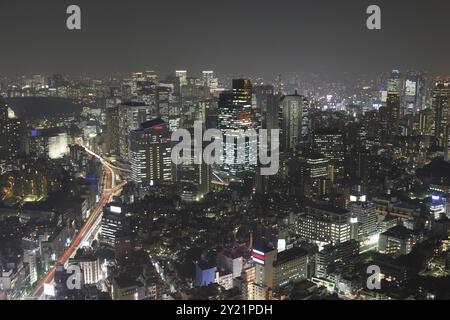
<point>257,38</point>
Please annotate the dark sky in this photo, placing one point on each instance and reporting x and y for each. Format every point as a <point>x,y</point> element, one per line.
<point>255,37</point>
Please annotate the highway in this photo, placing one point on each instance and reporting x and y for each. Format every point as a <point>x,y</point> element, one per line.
<point>110,189</point>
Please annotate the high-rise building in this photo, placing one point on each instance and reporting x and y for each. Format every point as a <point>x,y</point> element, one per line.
<point>112,130</point>
<point>17,138</point>
<point>163,102</point>
<point>13,137</point>
<point>263,258</point>
<point>364,215</point>
<point>30,257</point>
<point>414,93</point>
<point>315,170</point>
<point>393,109</point>
<point>131,115</point>
<point>330,143</point>
<point>262,93</point>
<point>235,115</point>
<point>235,107</point>
<point>441,107</point>
<point>150,154</point>
<point>193,180</point>
<point>395,82</point>
<point>182,77</point>
<point>294,111</point>
<point>210,80</point>
<point>112,223</point>
<point>271,113</point>
<point>393,104</point>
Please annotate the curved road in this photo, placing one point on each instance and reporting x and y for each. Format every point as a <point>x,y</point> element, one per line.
<point>110,188</point>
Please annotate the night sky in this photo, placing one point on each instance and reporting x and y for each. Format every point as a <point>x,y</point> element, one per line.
<point>254,37</point>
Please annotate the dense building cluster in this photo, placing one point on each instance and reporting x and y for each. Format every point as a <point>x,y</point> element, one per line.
<point>88,182</point>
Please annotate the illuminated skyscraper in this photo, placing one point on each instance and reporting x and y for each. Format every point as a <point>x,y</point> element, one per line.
<point>235,107</point>
<point>182,76</point>
<point>414,93</point>
<point>315,175</point>
<point>236,114</point>
<point>263,258</point>
<point>330,143</point>
<point>294,111</point>
<point>209,80</point>
<point>17,138</point>
<point>393,103</point>
<point>131,115</point>
<point>441,107</point>
<point>112,223</point>
<point>150,154</point>
<point>112,130</point>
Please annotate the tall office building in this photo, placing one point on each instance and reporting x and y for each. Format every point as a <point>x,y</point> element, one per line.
<point>395,81</point>
<point>271,113</point>
<point>236,114</point>
<point>441,107</point>
<point>150,154</point>
<point>131,115</point>
<point>330,143</point>
<point>182,77</point>
<point>393,109</point>
<point>261,94</point>
<point>193,180</point>
<point>315,175</point>
<point>393,104</point>
<point>235,107</point>
<point>17,138</point>
<point>163,102</point>
<point>209,80</point>
<point>112,223</point>
<point>414,93</point>
<point>112,130</point>
<point>263,258</point>
<point>12,134</point>
<point>30,257</point>
<point>294,111</point>
<point>364,215</point>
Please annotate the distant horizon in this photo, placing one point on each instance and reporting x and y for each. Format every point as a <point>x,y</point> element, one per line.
<point>339,76</point>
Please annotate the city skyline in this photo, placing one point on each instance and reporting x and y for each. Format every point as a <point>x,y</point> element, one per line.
<point>225,150</point>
